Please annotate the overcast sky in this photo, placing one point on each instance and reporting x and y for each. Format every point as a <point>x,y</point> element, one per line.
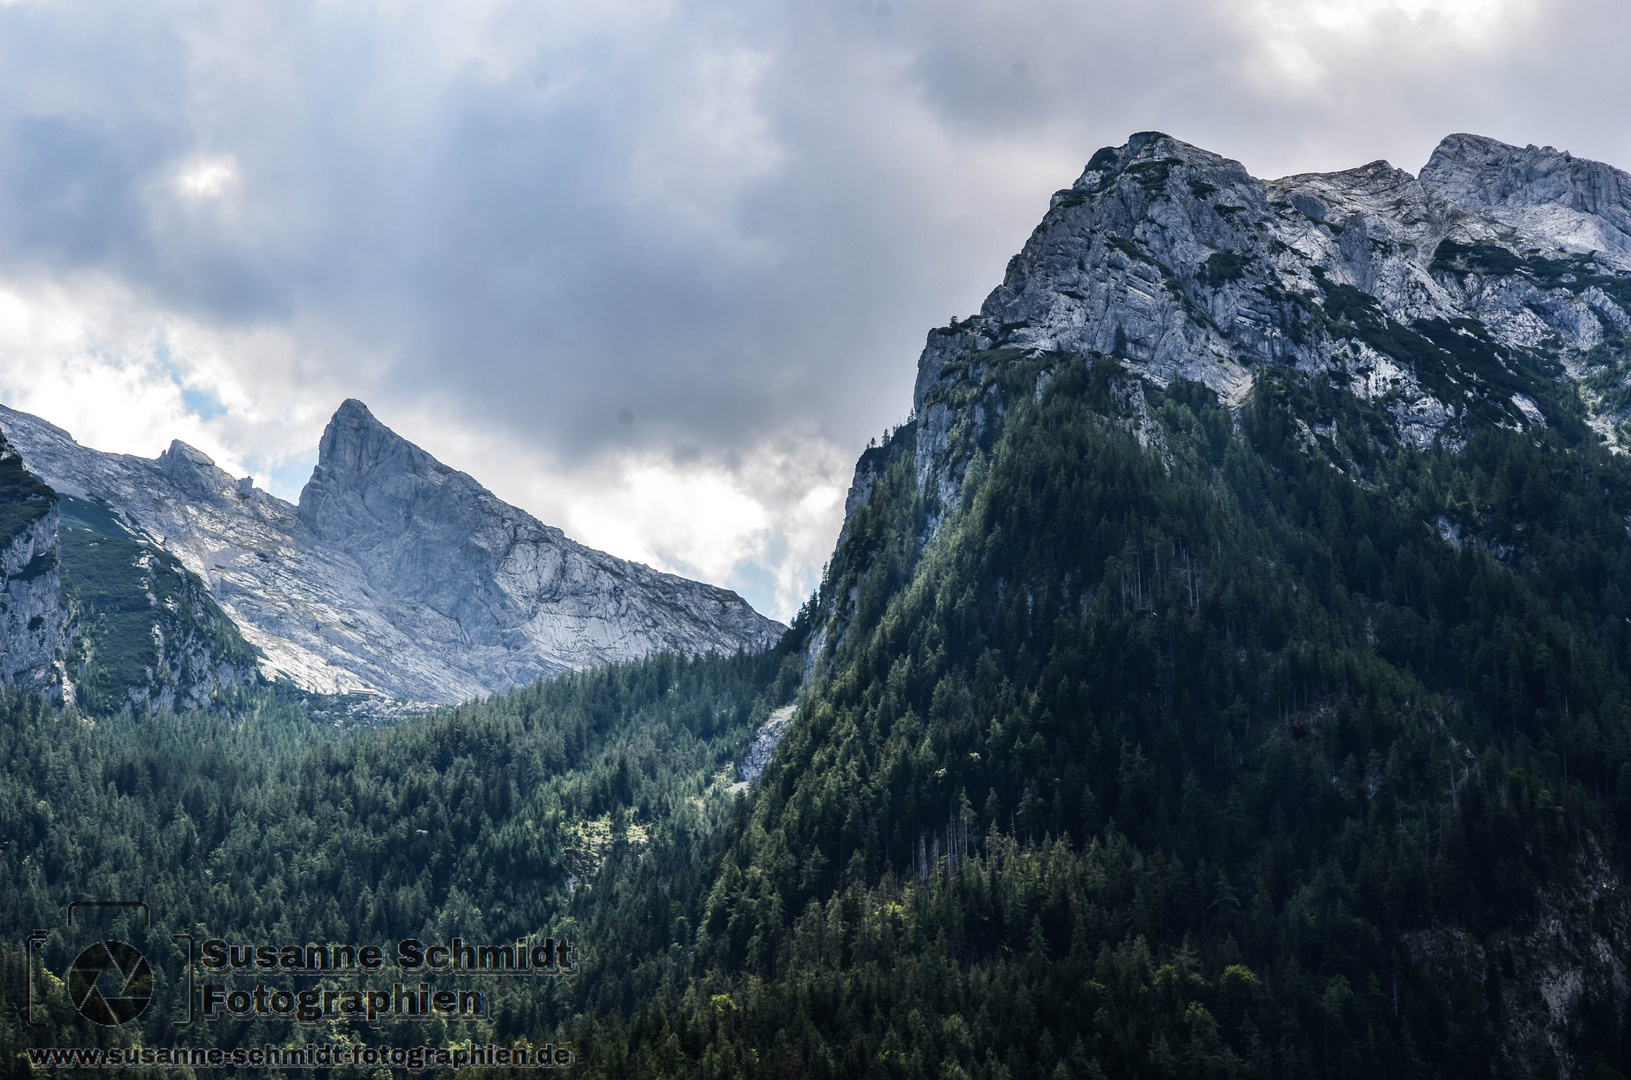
<point>653,271</point>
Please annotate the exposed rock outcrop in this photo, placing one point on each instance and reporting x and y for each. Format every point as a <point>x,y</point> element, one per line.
<point>94,616</point>
<point>1487,290</point>
<point>31,610</point>
<point>395,574</point>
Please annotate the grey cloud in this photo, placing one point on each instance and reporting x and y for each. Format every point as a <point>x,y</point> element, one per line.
<point>730,220</point>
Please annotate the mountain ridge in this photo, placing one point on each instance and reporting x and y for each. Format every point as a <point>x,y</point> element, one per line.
<point>445,601</point>
<point>1217,280</point>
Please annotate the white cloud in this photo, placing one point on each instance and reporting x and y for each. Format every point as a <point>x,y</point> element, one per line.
<point>703,143</point>
<point>1308,46</point>
<point>206,178</point>
<point>763,527</point>
<point>92,358</point>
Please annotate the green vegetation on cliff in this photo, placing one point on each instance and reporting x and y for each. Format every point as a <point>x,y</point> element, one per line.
<point>23,499</point>
<point>1266,749</point>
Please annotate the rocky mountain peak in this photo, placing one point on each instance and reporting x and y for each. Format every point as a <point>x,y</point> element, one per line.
<point>1578,204</point>
<point>395,573</point>
<point>468,573</point>
<point>192,470</point>
<point>355,445</point>
<point>1478,171</point>
<point>366,476</point>
<point>1488,290</point>
<point>1148,158</point>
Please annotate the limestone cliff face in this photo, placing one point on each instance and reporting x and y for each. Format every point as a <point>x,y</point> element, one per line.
<point>510,596</point>
<point>31,609</point>
<point>94,616</point>
<point>1478,292</point>
<point>142,632</point>
<point>395,574</point>
<point>1539,193</point>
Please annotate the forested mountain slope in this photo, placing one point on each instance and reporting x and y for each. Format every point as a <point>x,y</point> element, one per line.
<point>474,821</point>
<point>1225,672</point>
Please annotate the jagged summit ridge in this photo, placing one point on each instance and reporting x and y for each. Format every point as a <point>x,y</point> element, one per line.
<point>1512,182</point>
<point>369,479</point>
<point>395,574</point>
<point>450,554</point>
<point>192,470</point>
<point>1463,295</point>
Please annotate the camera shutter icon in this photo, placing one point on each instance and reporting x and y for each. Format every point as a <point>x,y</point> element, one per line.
<point>110,983</point>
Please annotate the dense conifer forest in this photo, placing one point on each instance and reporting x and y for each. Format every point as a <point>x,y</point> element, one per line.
<point>1186,741</point>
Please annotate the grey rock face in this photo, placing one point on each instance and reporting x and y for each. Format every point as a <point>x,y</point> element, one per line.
<point>477,576</point>
<point>396,573</point>
<point>1181,265</point>
<point>31,609</point>
<point>89,615</point>
<point>763,747</point>
<point>1577,205</point>
<point>31,622</point>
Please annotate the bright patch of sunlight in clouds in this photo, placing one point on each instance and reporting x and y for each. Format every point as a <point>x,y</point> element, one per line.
<point>708,521</point>
<point>207,178</point>
<point>118,377</point>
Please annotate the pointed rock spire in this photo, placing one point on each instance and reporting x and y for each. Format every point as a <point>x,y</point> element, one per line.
<point>366,474</point>
<point>192,470</point>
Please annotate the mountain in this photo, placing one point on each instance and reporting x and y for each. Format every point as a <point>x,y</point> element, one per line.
<point>100,617</point>
<point>395,575</point>
<point>1225,672</point>
<point>1491,289</point>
